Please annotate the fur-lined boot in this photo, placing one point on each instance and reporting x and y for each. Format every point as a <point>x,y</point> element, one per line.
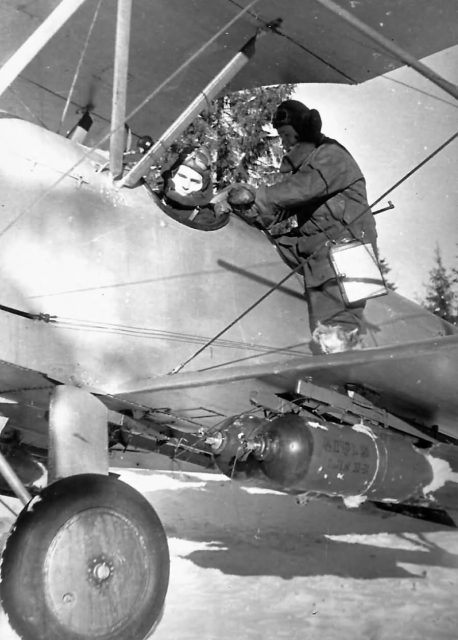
<point>334,339</point>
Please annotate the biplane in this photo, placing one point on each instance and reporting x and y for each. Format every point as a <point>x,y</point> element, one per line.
<point>126,329</point>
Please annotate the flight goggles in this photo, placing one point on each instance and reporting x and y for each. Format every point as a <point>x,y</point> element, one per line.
<point>197,160</point>
<point>281,117</point>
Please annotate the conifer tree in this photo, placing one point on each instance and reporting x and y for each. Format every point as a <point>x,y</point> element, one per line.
<point>440,295</point>
<point>385,269</point>
<point>233,130</point>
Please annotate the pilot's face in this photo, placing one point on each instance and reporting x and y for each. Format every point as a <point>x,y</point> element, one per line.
<point>288,136</point>
<point>187,181</point>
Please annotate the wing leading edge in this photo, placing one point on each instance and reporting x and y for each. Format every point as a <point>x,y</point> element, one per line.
<point>415,381</point>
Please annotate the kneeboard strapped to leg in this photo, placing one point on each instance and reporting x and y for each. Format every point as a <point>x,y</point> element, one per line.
<point>358,271</point>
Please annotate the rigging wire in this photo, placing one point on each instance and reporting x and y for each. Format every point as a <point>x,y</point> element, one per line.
<point>159,334</point>
<point>150,96</point>
<point>7,506</point>
<point>416,168</point>
<point>352,80</point>
<point>143,332</point>
<point>273,350</point>
<point>55,94</point>
<point>144,102</point>
<point>422,91</point>
<point>242,315</point>
<point>90,325</point>
<point>275,27</point>
<point>107,135</point>
<point>304,262</point>
<point>187,62</point>
<point>26,107</point>
<point>139,107</point>
<point>78,67</point>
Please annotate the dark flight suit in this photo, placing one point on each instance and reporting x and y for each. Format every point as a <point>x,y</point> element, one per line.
<point>320,197</point>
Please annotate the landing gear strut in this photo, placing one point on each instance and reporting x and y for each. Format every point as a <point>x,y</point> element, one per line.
<point>87,560</point>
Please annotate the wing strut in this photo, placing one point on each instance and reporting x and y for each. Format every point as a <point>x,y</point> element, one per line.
<point>13,480</point>
<point>121,65</point>
<point>39,38</point>
<point>392,48</point>
<point>197,105</point>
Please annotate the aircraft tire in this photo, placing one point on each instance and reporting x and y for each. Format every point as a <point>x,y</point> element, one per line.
<point>88,559</point>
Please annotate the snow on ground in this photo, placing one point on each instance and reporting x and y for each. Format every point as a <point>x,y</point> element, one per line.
<point>256,565</point>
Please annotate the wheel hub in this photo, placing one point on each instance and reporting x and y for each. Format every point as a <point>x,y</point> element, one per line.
<point>88,589</point>
<point>90,561</point>
<point>100,570</point>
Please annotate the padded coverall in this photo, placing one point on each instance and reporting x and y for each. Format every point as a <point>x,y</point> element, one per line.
<point>320,197</point>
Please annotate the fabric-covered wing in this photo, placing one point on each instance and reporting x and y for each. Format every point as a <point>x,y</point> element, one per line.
<point>310,44</point>
<point>415,381</point>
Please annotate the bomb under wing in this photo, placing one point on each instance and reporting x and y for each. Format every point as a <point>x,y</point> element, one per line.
<point>303,454</point>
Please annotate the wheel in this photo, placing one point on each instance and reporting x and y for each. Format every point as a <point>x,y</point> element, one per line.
<point>87,560</point>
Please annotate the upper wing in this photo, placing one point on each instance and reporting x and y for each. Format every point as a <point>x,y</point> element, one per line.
<point>415,381</point>
<point>310,44</point>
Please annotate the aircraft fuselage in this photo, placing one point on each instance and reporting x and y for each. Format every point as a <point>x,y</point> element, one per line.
<point>131,291</point>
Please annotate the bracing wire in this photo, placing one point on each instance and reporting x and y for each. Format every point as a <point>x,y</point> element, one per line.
<point>107,135</point>
<point>143,332</point>
<point>7,506</point>
<point>421,91</point>
<point>416,168</point>
<point>89,325</point>
<point>238,318</point>
<point>310,52</point>
<point>143,103</point>
<point>26,107</point>
<point>78,67</point>
<point>304,262</point>
<point>351,80</point>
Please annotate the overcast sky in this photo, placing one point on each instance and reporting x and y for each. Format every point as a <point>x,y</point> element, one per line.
<point>390,128</point>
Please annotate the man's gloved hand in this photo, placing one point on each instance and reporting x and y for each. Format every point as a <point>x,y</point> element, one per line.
<point>240,197</point>
<point>221,208</point>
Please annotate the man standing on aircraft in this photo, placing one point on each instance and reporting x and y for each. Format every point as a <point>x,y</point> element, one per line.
<point>318,201</point>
